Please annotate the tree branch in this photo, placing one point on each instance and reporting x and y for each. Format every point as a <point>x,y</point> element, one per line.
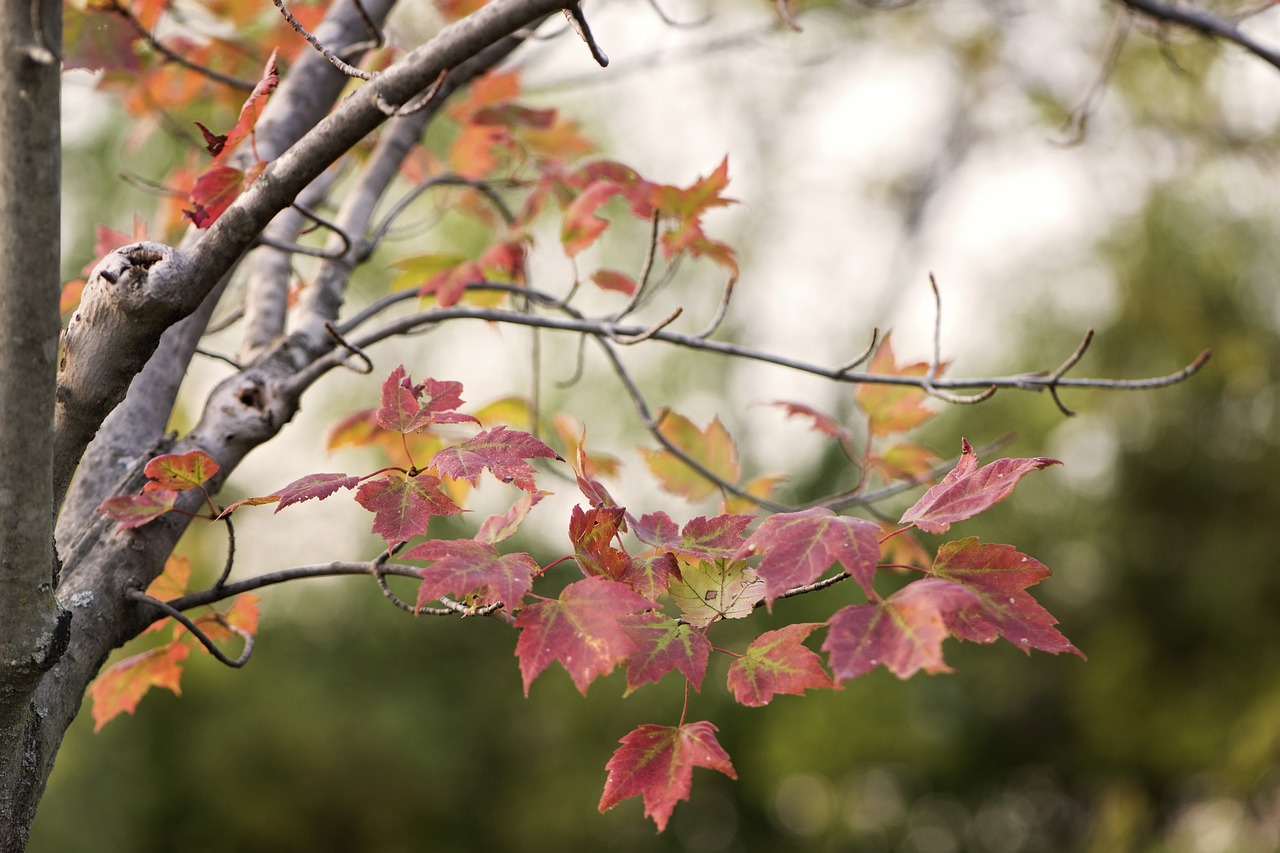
<point>1205,24</point>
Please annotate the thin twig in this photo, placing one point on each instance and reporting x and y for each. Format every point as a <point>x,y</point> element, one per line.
<point>651,251</point>
<point>935,363</point>
<point>654,426</point>
<point>410,197</point>
<point>1077,123</point>
<point>866,354</point>
<point>169,610</point>
<point>177,58</point>
<point>648,333</point>
<point>720,312</point>
<point>419,103</point>
<point>217,356</point>
<point>671,22</point>
<point>580,26</point>
<point>605,329</point>
<point>349,347</point>
<point>349,70</point>
<point>231,553</point>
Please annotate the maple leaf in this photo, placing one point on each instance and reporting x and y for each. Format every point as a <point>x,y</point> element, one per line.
<point>121,686</point>
<point>893,408</point>
<point>465,566</point>
<point>403,506</point>
<point>777,662</point>
<point>902,461</point>
<point>179,471</point>
<point>708,590</point>
<point>240,619</point>
<point>318,486</point>
<point>650,575</point>
<point>449,285</point>
<point>581,629</point>
<point>904,633</point>
<point>701,539</point>
<point>501,450</point>
<point>822,422</point>
<point>712,447</point>
<point>172,582</point>
<point>760,487</point>
<point>213,193</point>
<point>252,109</point>
<point>582,226</point>
<point>663,645</point>
<point>592,532</point>
<point>998,576</point>
<point>136,510</point>
<point>407,407</point>
<point>968,490</point>
<point>613,280</point>
<point>496,528</point>
<point>656,763</point>
<point>799,546</point>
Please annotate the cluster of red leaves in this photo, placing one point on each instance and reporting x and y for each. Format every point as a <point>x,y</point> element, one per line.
<point>651,588</point>
<point>647,607</point>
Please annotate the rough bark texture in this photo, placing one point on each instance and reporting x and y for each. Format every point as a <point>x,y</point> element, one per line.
<point>32,628</point>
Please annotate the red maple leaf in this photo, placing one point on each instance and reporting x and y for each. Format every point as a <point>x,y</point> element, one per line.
<point>581,226</point>
<point>136,510</point>
<point>251,109</point>
<point>213,193</point>
<point>581,629</point>
<point>407,407</point>
<point>465,566</point>
<point>903,633</point>
<point>893,408</point>
<point>403,506</point>
<point>663,645</point>
<point>656,762</point>
<point>777,662</point>
<point>650,575</point>
<point>179,471</point>
<point>613,280</point>
<point>823,423</point>
<point>503,451</point>
<point>998,576</point>
<point>592,532</point>
<point>799,546</point>
<point>318,486</point>
<point>701,539</point>
<point>967,490</point>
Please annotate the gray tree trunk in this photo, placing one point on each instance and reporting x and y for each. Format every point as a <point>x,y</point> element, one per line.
<point>33,629</point>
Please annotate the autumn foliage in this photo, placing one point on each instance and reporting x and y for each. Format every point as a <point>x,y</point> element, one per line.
<point>652,590</point>
<point>641,589</point>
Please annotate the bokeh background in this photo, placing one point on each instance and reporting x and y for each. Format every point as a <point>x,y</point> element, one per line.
<point>1057,167</point>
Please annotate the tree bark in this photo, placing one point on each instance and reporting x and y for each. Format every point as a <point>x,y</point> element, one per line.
<point>33,629</point>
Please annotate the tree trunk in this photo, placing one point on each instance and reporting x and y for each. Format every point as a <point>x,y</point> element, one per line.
<point>33,629</point>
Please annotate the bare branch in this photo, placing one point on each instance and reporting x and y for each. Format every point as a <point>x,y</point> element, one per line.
<point>1205,24</point>
<point>169,610</point>
<point>345,68</point>
<point>578,21</point>
<point>175,57</point>
<point>1077,123</point>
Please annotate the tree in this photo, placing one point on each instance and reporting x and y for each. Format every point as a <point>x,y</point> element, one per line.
<point>123,491</point>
